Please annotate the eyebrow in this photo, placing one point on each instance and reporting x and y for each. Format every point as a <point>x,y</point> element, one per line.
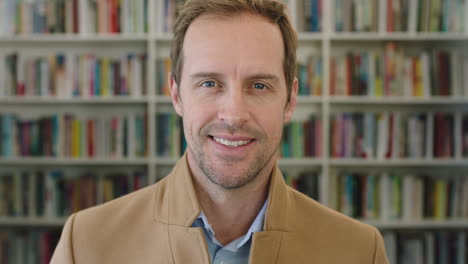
<point>264,76</point>
<point>206,74</point>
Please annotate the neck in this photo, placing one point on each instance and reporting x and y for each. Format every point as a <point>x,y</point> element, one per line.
<point>231,212</point>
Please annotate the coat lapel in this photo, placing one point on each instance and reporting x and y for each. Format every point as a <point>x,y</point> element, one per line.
<point>265,247</point>
<point>177,206</point>
<point>188,245</point>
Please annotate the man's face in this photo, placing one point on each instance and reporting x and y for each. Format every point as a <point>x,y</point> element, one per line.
<point>233,97</point>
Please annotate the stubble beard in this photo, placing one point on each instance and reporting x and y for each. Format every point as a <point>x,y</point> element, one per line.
<point>235,179</point>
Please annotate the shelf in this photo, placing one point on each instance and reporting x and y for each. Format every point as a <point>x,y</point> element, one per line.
<point>163,99</point>
<point>289,162</point>
<point>77,100</point>
<point>397,100</point>
<point>305,99</point>
<point>31,222</point>
<point>164,37</point>
<point>166,161</point>
<point>399,162</point>
<point>69,161</point>
<point>422,224</point>
<point>349,36</point>
<point>71,38</point>
<point>310,36</point>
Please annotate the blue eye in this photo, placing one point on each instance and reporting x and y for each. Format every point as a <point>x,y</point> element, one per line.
<point>209,84</point>
<point>259,86</point>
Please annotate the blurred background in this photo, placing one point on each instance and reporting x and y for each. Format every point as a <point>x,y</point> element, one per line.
<point>380,132</point>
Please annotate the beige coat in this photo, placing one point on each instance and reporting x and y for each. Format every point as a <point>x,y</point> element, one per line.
<point>153,226</point>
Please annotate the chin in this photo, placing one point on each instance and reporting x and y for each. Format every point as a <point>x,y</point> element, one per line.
<point>227,180</point>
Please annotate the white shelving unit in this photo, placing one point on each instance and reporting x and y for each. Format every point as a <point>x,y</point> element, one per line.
<point>157,45</point>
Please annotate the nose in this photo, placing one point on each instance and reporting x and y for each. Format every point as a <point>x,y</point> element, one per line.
<point>233,109</point>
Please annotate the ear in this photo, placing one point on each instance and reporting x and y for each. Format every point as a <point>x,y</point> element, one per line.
<point>175,95</point>
<point>291,105</point>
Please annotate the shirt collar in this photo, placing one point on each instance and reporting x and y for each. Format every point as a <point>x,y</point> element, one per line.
<point>256,226</point>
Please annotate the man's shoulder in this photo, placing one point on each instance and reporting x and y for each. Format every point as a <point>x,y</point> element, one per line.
<point>134,204</point>
<point>311,215</point>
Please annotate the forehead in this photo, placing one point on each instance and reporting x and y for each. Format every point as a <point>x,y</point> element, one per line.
<point>245,43</point>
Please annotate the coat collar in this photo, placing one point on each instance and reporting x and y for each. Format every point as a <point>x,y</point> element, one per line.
<point>176,202</point>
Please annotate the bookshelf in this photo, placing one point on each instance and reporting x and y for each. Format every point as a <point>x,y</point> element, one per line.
<point>152,38</point>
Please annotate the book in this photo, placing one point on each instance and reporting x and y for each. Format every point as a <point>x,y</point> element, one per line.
<point>306,182</point>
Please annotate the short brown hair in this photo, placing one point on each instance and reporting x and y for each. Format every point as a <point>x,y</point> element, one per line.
<point>273,10</point>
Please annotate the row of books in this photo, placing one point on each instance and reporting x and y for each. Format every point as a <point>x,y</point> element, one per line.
<point>400,16</point>
<point>302,138</point>
<point>39,16</point>
<point>31,247</point>
<point>66,75</point>
<point>115,16</point>
<point>394,135</point>
<point>59,193</point>
<point>426,247</point>
<point>73,16</point>
<point>306,182</point>
<point>74,136</point>
<point>399,72</point>
<point>407,196</point>
<point>310,15</point>
<point>310,75</point>
<point>170,140</point>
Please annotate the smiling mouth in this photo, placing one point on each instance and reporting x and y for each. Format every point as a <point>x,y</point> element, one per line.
<point>231,144</point>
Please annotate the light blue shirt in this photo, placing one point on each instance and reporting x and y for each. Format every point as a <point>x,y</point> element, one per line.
<point>236,252</point>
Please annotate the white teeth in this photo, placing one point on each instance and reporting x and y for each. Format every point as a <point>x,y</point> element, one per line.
<point>232,144</point>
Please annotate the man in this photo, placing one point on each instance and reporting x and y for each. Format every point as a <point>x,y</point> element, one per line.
<point>225,200</point>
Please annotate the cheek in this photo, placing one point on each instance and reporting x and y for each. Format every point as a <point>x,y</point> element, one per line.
<point>272,123</point>
<point>196,116</point>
